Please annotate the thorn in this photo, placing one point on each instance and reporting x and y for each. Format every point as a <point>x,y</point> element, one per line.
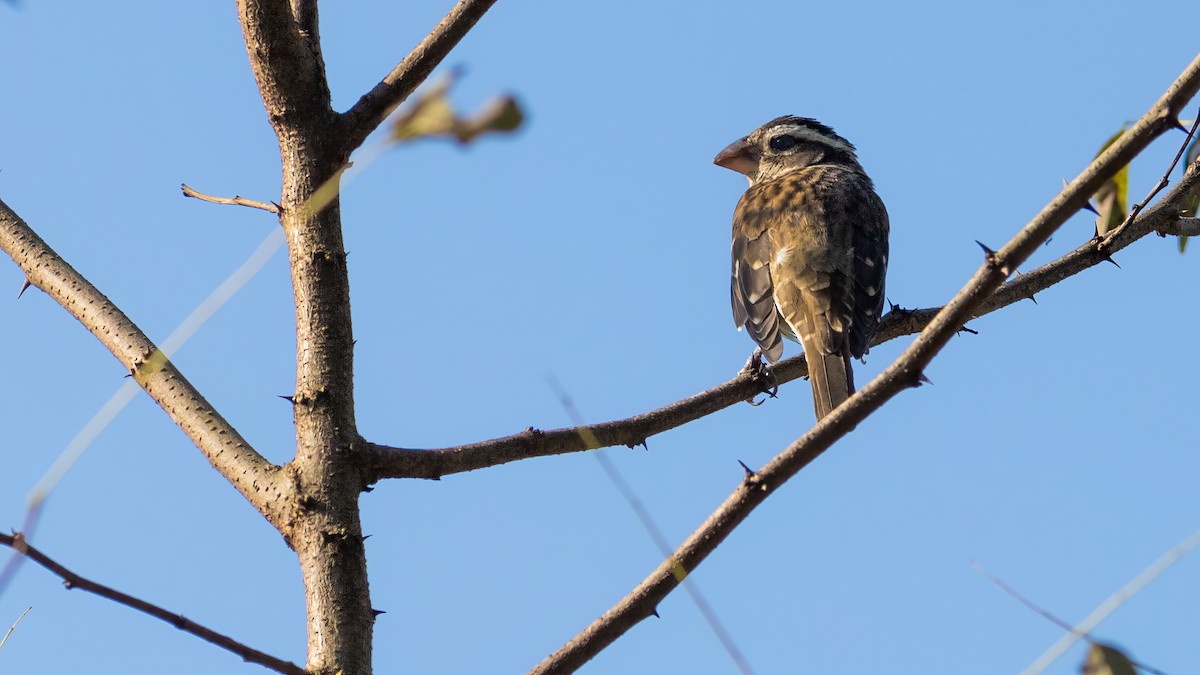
<point>964,329</point>
<point>24,287</point>
<point>637,443</point>
<point>990,256</point>
<point>1028,294</point>
<point>1178,124</point>
<point>893,307</point>
<point>922,380</point>
<point>1048,240</point>
<point>749,473</point>
<point>1108,258</point>
<point>368,488</point>
<point>377,612</point>
<point>655,612</point>
<point>1088,207</point>
<point>366,537</point>
<point>289,399</point>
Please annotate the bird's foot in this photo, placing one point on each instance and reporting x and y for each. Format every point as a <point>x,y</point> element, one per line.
<point>762,374</point>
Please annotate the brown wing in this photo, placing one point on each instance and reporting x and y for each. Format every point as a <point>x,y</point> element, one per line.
<point>752,292</point>
<point>869,220</point>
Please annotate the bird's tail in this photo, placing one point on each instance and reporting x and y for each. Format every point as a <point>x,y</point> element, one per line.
<point>832,381</point>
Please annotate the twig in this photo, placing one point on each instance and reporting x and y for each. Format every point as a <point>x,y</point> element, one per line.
<point>72,580</point>
<point>1044,613</point>
<point>904,373</point>
<point>1114,601</point>
<point>1162,183</point>
<point>13,627</point>
<point>235,201</point>
<point>373,108</point>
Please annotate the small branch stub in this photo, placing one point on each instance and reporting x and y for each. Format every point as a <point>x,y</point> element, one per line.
<point>229,201</point>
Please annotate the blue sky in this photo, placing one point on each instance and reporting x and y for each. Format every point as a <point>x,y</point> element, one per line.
<point>1057,447</point>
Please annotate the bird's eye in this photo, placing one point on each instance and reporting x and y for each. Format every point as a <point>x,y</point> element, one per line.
<point>783,142</point>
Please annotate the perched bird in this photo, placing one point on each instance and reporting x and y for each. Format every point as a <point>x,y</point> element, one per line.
<point>810,249</point>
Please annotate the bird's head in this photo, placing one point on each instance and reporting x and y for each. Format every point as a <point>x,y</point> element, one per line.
<point>783,145</point>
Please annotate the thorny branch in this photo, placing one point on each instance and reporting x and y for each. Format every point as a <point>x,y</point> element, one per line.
<point>391,462</point>
<point>73,580</point>
<point>226,450</point>
<point>904,373</point>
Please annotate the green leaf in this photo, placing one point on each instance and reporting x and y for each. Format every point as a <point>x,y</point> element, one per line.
<point>1112,199</point>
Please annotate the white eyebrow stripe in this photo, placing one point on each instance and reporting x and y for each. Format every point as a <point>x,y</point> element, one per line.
<point>809,135</point>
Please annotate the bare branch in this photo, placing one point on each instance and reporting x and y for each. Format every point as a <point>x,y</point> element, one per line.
<point>323,524</point>
<point>285,55</point>
<point>13,627</point>
<point>904,373</point>
<point>235,201</point>
<point>390,462</point>
<point>226,450</point>
<point>373,108</point>
<point>72,580</point>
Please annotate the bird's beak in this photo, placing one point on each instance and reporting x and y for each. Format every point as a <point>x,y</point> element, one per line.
<point>739,156</point>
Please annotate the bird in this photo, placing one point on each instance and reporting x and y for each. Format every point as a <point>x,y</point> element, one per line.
<point>810,250</point>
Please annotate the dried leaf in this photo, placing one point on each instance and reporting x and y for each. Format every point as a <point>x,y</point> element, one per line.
<point>432,116</point>
<point>503,115</point>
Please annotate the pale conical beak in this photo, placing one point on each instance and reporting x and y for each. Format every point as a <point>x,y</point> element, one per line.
<point>739,156</point>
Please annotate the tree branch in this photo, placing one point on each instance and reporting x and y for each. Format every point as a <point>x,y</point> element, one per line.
<point>285,55</point>
<point>226,450</point>
<point>373,108</point>
<point>904,373</point>
<point>73,580</point>
<point>234,201</point>
<point>391,462</point>
<point>1183,227</point>
<point>324,527</point>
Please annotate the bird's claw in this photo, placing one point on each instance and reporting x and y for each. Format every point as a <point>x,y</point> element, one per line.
<point>762,375</point>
